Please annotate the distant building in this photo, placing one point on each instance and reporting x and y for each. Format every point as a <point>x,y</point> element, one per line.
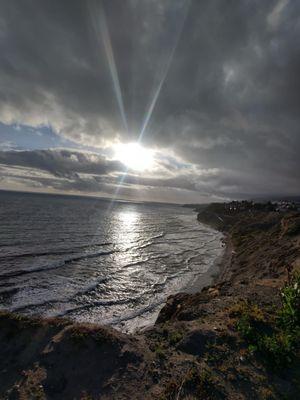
<point>234,207</point>
<point>283,206</point>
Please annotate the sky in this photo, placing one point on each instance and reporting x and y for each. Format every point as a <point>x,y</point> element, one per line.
<point>184,101</point>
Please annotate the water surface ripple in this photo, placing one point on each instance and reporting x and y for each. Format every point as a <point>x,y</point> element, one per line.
<point>95,261</point>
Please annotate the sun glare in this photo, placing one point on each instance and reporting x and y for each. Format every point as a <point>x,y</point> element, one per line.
<point>134,156</point>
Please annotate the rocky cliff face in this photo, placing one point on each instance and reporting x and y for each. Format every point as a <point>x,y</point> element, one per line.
<point>234,340</point>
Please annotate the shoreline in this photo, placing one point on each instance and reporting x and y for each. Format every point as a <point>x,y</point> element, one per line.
<point>226,261</point>
<point>203,280</point>
<point>212,275</point>
<point>221,265</point>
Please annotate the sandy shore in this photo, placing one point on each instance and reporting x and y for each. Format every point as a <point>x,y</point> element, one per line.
<point>218,270</point>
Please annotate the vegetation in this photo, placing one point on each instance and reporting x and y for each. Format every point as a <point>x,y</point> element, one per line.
<point>197,383</point>
<point>289,315</point>
<point>175,337</point>
<point>275,338</point>
<point>160,352</point>
<point>81,334</point>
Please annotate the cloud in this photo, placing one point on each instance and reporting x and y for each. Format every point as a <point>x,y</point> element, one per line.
<point>229,101</point>
<point>77,172</point>
<point>61,162</point>
<point>63,170</point>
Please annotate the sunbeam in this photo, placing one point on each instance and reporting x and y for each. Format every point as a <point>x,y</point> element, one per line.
<point>99,22</point>
<point>164,72</point>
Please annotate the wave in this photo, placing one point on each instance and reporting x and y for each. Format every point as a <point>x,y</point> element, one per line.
<point>108,303</point>
<point>55,265</point>
<point>148,309</point>
<point>53,253</point>
<point>93,304</point>
<point>67,299</point>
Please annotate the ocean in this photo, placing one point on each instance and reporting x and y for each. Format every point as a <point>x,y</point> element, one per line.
<point>98,261</point>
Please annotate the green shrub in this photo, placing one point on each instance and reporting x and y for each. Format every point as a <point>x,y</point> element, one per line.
<point>277,340</point>
<point>277,349</point>
<point>159,351</point>
<point>245,328</point>
<point>289,315</point>
<point>175,337</point>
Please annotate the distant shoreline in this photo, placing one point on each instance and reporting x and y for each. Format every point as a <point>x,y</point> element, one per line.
<point>89,197</point>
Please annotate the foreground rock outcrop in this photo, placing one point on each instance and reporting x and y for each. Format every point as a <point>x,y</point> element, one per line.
<point>234,340</point>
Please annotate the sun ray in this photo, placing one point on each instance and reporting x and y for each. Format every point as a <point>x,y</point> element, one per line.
<point>164,72</point>
<point>99,22</point>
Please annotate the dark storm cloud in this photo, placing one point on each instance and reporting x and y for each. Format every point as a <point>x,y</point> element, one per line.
<point>230,99</point>
<point>62,163</point>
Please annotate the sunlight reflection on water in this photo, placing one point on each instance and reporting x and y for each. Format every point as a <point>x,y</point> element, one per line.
<point>127,228</point>
<point>128,219</point>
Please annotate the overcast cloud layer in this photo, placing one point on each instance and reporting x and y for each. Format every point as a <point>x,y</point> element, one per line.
<point>225,75</point>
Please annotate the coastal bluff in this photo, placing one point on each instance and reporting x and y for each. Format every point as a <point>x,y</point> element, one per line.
<point>236,339</point>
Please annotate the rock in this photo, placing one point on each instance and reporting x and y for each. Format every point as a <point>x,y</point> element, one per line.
<point>196,341</point>
<point>171,307</point>
<point>214,292</point>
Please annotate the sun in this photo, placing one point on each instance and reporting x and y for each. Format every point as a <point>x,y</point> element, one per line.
<point>134,156</point>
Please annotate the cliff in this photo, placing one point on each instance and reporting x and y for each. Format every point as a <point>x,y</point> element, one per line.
<point>237,339</point>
